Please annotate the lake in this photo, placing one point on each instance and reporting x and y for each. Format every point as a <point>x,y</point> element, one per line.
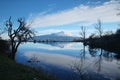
<point>70,61</point>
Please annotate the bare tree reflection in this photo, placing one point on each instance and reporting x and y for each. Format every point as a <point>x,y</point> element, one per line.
<point>103,55</point>
<point>108,56</point>
<point>34,62</point>
<point>82,54</point>
<point>98,62</point>
<point>82,65</point>
<point>79,66</point>
<point>98,53</point>
<point>33,59</point>
<point>92,52</point>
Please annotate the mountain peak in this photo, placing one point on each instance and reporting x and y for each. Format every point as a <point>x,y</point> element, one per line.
<point>61,33</point>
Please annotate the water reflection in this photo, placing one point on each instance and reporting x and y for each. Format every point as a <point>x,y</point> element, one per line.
<point>72,61</point>
<point>99,64</point>
<point>79,67</point>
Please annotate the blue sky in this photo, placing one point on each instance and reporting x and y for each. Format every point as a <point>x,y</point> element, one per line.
<point>49,16</point>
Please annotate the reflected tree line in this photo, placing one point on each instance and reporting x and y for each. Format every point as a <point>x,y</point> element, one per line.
<point>81,67</point>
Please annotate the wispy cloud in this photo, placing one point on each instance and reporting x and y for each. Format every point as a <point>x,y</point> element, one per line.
<point>106,12</point>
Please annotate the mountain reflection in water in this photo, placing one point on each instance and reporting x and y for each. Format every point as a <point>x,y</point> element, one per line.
<point>70,61</point>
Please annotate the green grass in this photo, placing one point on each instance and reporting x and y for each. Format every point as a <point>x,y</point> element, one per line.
<point>10,70</point>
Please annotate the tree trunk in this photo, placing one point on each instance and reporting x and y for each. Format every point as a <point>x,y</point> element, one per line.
<point>14,50</point>
<point>12,55</point>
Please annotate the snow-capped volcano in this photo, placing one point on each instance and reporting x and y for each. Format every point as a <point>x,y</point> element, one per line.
<point>60,36</point>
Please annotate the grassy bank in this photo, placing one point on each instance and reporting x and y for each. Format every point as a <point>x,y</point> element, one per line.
<point>9,70</point>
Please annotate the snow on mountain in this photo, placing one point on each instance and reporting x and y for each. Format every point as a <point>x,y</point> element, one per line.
<point>60,36</point>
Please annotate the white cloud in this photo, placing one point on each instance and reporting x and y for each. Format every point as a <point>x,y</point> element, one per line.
<point>106,12</point>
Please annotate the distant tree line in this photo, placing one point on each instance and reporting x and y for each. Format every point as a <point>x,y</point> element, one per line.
<point>109,40</point>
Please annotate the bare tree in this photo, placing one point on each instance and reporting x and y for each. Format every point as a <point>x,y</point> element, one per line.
<point>17,36</point>
<point>98,28</point>
<point>83,33</point>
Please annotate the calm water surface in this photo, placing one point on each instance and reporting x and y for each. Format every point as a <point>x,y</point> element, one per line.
<point>70,61</point>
